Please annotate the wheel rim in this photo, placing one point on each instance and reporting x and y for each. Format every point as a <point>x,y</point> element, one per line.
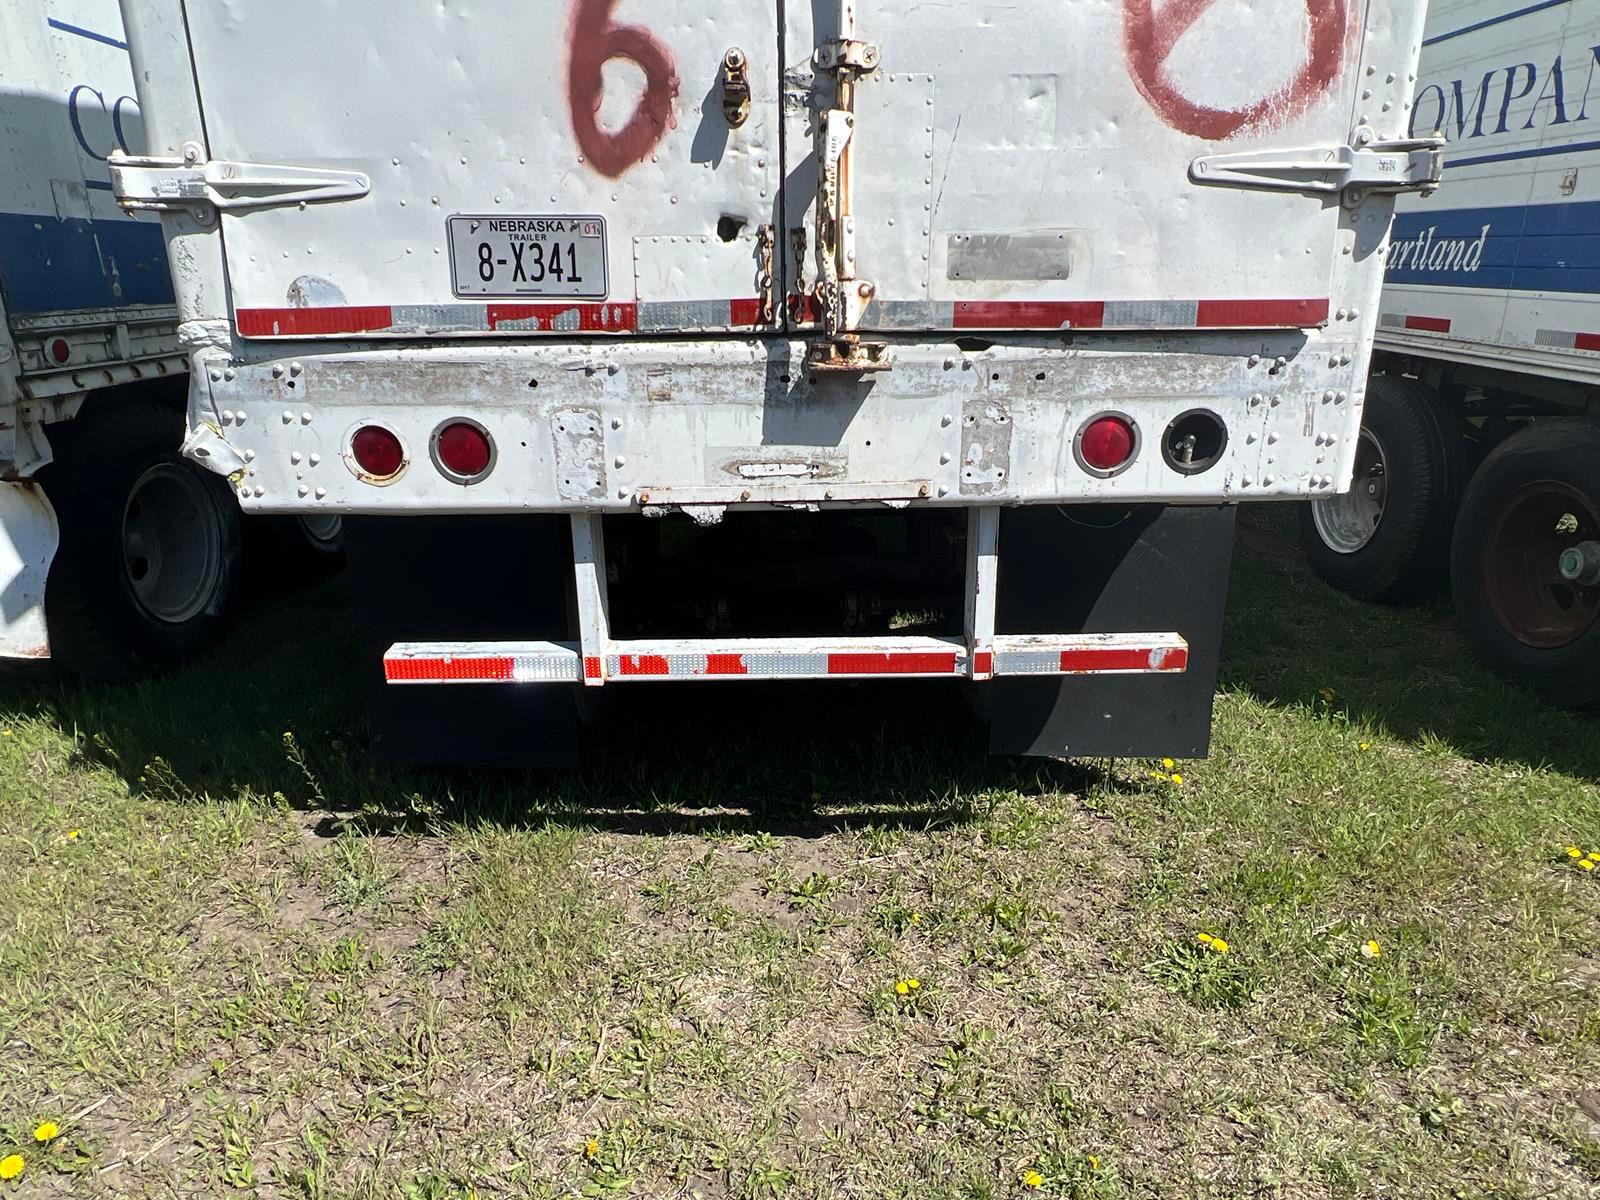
<point>1527,594</point>
<point>172,543</point>
<point>323,532</point>
<point>1347,523</point>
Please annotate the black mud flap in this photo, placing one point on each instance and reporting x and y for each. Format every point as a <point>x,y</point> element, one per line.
<point>432,579</point>
<point>1098,569</point>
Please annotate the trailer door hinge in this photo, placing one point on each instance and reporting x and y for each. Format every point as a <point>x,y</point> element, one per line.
<point>190,182</point>
<point>1371,165</point>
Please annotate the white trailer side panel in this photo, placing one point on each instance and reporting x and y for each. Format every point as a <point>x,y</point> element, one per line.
<point>1502,266</point>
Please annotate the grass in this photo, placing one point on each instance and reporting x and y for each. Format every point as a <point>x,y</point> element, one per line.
<point>236,958</point>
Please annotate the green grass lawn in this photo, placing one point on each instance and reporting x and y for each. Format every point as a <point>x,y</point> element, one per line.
<point>808,941</point>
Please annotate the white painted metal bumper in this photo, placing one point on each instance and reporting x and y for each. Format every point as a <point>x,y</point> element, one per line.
<point>783,658</point>
<point>615,427</point>
<point>29,537</point>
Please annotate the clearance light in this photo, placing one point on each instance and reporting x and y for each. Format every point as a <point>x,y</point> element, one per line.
<point>1107,444</point>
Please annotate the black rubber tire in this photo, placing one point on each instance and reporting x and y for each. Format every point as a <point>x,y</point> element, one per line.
<point>1408,556</point>
<point>98,628</point>
<point>1565,451</point>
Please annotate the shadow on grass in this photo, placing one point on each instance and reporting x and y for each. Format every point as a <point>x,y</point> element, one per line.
<point>1403,670</point>
<point>276,709</point>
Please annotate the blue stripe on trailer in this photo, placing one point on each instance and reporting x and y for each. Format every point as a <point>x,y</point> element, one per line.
<point>1514,155</point>
<point>47,263</point>
<point>1539,247</point>
<point>103,39</point>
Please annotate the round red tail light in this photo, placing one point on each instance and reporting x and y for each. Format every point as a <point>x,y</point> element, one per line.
<point>1107,444</point>
<point>463,450</point>
<point>377,452</point>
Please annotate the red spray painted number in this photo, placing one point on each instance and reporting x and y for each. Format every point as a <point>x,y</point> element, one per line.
<point>1152,34</point>
<point>595,42</point>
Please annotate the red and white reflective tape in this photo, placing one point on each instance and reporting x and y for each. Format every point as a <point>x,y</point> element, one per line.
<point>1415,323</point>
<point>1566,340</point>
<point>420,320</point>
<point>787,658</point>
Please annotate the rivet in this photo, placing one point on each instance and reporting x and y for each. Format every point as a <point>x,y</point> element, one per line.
<point>1354,313</point>
<point>305,418</point>
<point>1248,481</point>
<point>622,493</point>
<point>229,374</point>
<point>303,491</point>
<point>947,420</point>
<point>315,459</point>
<point>321,492</point>
<point>944,489</point>
<point>944,458</point>
<point>1272,439</point>
<point>240,416</point>
<point>1327,397</point>
<point>216,375</point>
<point>244,493</point>
<point>745,495</point>
<point>295,456</point>
<point>249,456</point>
<point>1342,314</point>
<point>288,417</point>
<point>1249,439</point>
<point>616,422</point>
<point>260,491</point>
<point>1269,481</point>
<point>227,416</point>
<point>1257,398</point>
<point>277,370</point>
<point>1341,397</point>
<point>620,461</point>
<point>295,368</point>
<point>1255,360</point>
<point>1277,400</point>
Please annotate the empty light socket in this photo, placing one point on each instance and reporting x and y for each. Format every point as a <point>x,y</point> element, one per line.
<point>1194,442</point>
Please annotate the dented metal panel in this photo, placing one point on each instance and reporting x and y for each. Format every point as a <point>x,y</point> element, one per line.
<point>29,536</point>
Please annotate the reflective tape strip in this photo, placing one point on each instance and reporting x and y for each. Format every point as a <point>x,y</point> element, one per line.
<point>1428,324</point>
<point>1139,314</point>
<point>542,317</point>
<point>1566,340</point>
<point>1107,654</point>
<point>795,658</point>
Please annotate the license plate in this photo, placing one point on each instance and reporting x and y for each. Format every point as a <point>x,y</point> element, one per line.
<point>512,256</point>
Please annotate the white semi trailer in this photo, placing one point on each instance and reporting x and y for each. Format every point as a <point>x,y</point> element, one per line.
<point>1480,452</point>
<point>1003,306</point>
<point>117,553</point>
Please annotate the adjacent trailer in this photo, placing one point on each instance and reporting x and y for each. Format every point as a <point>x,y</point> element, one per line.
<point>697,341</point>
<point>117,553</point>
<point>1480,451</point>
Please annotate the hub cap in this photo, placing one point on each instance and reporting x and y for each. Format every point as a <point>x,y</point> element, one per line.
<point>1347,523</point>
<point>172,547</point>
<point>1536,527</point>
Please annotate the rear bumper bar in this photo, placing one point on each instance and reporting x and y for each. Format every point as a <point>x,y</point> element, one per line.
<point>784,658</point>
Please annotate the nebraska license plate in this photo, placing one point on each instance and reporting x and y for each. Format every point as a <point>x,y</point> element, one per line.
<point>510,256</point>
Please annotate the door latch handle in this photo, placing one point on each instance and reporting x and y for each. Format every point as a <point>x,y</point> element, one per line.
<point>735,87</point>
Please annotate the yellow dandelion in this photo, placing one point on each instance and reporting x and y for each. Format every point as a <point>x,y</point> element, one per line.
<point>1094,1163</point>
<point>916,918</point>
<point>1366,745</point>
<point>11,1166</point>
<point>1574,852</point>
<point>591,1148</point>
<point>1177,779</point>
<point>1161,775</point>
<point>902,988</point>
<point>73,834</point>
<point>1585,864</point>
<point>1371,949</point>
<point>5,733</point>
<point>1168,763</point>
<point>1032,1179</point>
<point>1220,946</point>
<point>46,1131</point>
<point>1204,938</point>
<point>1594,856</point>
<point>913,984</point>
